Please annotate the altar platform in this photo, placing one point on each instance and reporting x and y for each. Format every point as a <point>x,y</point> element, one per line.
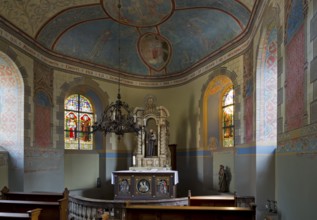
<point>144,184</point>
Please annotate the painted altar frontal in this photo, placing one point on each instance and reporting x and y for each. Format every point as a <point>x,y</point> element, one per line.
<point>146,184</point>
<point>151,176</point>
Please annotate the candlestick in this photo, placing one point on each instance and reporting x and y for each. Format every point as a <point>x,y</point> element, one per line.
<point>133,160</point>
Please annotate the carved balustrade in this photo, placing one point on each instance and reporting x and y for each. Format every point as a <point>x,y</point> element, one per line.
<point>81,208</point>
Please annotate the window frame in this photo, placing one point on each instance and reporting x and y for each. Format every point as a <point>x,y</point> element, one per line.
<point>225,128</point>
<point>83,121</point>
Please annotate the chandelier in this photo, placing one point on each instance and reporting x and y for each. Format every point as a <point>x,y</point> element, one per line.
<point>118,117</point>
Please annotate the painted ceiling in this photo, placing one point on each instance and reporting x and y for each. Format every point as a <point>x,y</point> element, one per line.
<point>140,38</point>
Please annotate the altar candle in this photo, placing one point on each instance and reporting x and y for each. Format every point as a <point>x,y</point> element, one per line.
<point>133,160</point>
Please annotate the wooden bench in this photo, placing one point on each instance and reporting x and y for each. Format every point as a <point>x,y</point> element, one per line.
<point>33,196</point>
<point>134,212</point>
<point>216,201</point>
<point>50,210</point>
<point>60,199</point>
<point>221,201</point>
<point>30,215</point>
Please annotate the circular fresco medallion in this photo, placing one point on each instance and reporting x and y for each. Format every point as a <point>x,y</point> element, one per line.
<point>139,13</point>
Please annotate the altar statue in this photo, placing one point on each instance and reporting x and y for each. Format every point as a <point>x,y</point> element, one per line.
<point>151,142</point>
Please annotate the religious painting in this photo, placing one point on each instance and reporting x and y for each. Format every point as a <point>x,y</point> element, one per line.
<point>162,186</point>
<point>124,185</point>
<point>155,50</point>
<point>85,127</point>
<point>139,13</point>
<point>143,186</point>
<point>71,126</point>
<point>78,120</point>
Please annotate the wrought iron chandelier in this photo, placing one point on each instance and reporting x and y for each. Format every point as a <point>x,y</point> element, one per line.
<point>118,117</point>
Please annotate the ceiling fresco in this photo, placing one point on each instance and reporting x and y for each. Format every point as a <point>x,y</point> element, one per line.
<point>141,38</point>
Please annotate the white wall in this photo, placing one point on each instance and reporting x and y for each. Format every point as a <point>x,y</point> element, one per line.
<point>81,170</point>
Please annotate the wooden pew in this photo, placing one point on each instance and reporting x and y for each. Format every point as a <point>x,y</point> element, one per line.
<point>138,212</point>
<point>221,200</point>
<point>50,210</point>
<point>58,198</point>
<point>33,196</point>
<point>30,215</point>
<point>215,200</point>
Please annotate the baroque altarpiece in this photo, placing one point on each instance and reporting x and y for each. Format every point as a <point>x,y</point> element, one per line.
<point>151,176</point>
<point>152,150</point>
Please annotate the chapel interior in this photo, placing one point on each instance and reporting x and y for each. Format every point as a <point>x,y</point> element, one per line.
<point>215,90</point>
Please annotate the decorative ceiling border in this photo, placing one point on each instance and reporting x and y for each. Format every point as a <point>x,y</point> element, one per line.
<point>140,82</point>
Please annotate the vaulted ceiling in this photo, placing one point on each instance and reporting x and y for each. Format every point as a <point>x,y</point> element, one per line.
<point>141,38</point>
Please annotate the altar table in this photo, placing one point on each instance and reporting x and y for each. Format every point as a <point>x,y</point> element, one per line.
<point>144,184</point>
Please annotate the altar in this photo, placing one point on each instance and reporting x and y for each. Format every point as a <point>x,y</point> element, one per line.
<point>144,184</point>
<point>150,176</point>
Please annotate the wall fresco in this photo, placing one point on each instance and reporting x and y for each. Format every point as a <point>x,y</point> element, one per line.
<point>11,111</point>
<point>270,86</point>
<point>248,95</point>
<point>42,123</point>
<point>267,89</point>
<point>294,85</point>
<point>43,92</point>
<point>294,17</point>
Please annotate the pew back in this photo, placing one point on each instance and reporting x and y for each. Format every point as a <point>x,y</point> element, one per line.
<point>61,199</point>
<point>221,200</point>
<point>30,215</point>
<point>138,212</point>
<point>50,210</point>
<point>217,201</point>
<point>33,196</point>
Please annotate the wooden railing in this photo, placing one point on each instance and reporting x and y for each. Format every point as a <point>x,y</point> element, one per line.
<point>85,208</point>
<point>81,208</point>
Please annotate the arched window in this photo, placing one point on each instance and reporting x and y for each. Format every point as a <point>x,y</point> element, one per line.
<point>228,118</point>
<point>78,118</point>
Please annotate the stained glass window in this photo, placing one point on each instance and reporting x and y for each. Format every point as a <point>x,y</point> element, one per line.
<point>228,118</point>
<point>79,116</point>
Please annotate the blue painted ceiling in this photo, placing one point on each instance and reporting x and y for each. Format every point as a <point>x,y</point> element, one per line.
<point>146,38</point>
